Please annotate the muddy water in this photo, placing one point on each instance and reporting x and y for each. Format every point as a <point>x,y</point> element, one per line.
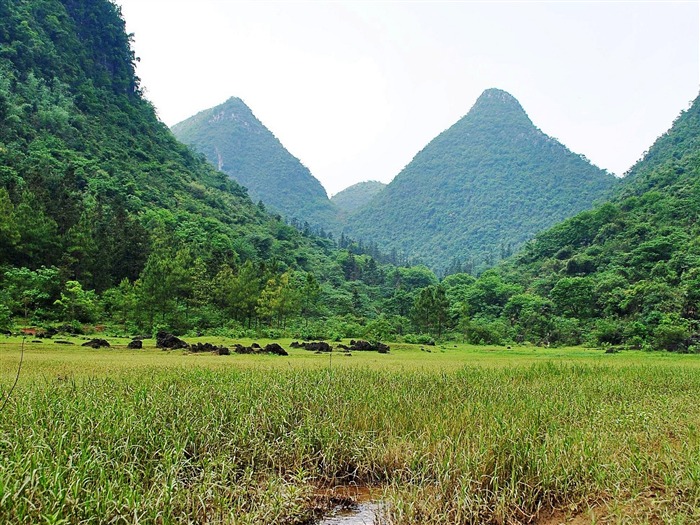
<point>364,510</point>
<point>362,514</point>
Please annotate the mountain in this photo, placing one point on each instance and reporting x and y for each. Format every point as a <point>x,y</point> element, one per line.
<point>629,270</point>
<point>480,189</point>
<point>106,216</point>
<point>238,144</point>
<point>357,195</point>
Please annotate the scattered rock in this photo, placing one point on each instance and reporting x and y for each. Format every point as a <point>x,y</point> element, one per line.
<point>240,349</point>
<point>366,346</point>
<point>169,341</point>
<point>96,343</point>
<point>255,348</point>
<point>274,348</point>
<point>313,346</point>
<point>136,344</point>
<point>208,347</point>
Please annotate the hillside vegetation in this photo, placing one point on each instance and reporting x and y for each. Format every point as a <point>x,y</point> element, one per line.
<point>105,216</point>
<point>480,189</point>
<point>356,196</point>
<point>630,269</point>
<point>238,144</point>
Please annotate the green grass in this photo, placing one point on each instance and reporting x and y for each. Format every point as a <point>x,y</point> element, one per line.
<point>458,435</point>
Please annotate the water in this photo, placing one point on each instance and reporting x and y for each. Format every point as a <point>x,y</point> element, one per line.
<point>364,509</point>
<point>362,514</point>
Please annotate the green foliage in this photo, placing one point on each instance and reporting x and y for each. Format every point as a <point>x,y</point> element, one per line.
<point>238,144</point>
<point>356,196</point>
<point>479,190</point>
<point>628,270</point>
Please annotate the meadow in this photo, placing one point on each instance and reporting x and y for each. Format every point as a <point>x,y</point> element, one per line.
<point>460,434</point>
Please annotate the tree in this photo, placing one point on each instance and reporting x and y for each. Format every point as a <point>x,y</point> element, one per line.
<point>309,299</point>
<point>77,304</point>
<point>29,290</point>
<point>431,310</point>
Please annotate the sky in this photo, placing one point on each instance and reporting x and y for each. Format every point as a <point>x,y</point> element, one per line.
<point>355,89</point>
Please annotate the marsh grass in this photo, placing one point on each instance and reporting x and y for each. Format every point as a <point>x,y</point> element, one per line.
<point>167,438</point>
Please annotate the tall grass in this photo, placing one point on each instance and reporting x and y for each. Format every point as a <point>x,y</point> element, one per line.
<point>474,445</point>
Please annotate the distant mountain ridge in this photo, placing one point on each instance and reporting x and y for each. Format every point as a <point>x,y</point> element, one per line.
<point>357,195</point>
<point>238,144</point>
<point>480,189</point>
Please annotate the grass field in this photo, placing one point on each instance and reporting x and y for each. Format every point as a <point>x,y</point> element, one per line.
<point>458,435</point>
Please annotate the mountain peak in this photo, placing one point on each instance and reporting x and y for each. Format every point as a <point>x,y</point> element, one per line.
<point>498,102</point>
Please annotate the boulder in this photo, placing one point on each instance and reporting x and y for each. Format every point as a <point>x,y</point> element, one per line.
<point>96,343</point>
<point>367,346</point>
<point>136,344</point>
<point>274,348</point>
<point>208,347</point>
<point>169,341</point>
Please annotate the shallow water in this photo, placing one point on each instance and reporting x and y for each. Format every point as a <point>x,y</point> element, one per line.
<point>364,511</point>
<point>362,514</point>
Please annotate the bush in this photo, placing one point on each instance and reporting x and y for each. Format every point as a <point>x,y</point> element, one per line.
<point>419,339</point>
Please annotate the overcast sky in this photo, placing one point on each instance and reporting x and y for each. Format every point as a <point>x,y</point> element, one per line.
<point>356,89</point>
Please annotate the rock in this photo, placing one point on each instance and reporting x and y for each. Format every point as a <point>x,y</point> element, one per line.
<point>208,347</point>
<point>63,342</point>
<point>366,346</point>
<point>317,346</point>
<point>96,343</point>
<point>169,341</point>
<point>296,344</point>
<point>240,349</point>
<point>37,341</point>
<point>274,348</point>
<point>136,344</point>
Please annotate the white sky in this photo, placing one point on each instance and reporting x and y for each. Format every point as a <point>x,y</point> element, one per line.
<point>356,89</point>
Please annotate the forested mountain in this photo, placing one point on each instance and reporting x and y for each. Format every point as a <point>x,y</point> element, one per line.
<point>480,189</point>
<point>105,216</point>
<point>356,196</point>
<point>629,270</point>
<point>237,143</point>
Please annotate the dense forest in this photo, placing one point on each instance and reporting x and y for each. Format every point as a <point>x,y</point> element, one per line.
<point>480,190</point>
<point>237,143</point>
<point>105,218</point>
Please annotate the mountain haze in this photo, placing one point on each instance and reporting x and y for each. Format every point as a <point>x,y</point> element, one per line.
<point>480,189</point>
<point>238,144</point>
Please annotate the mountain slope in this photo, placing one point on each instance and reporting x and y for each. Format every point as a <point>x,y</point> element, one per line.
<point>630,269</point>
<point>100,205</point>
<point>479,189</point>
<point>237,143</point>
<point>356,196</point>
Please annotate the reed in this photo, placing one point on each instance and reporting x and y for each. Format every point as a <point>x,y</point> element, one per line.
<point>251,444</point>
